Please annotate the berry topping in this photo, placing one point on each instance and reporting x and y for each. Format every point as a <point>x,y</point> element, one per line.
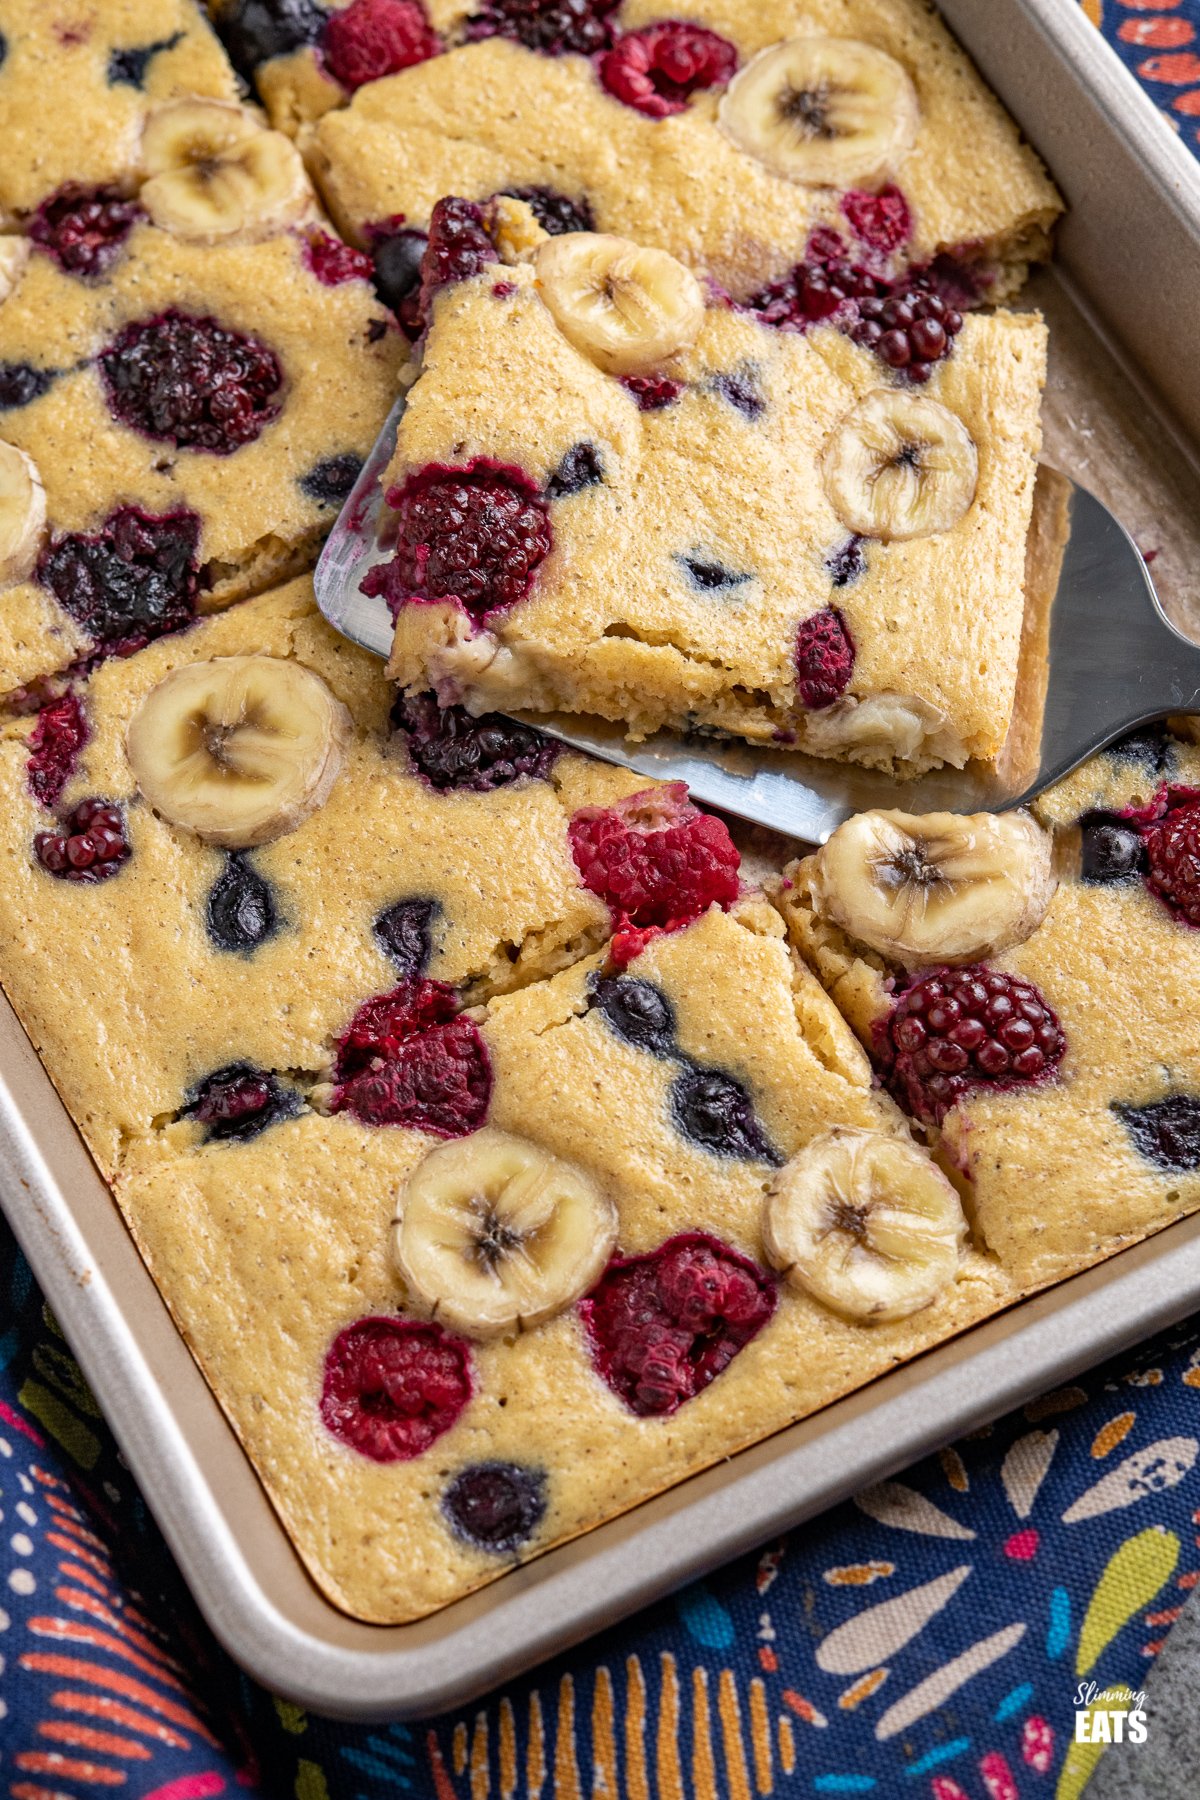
<point>824,657</point>
<point>254,31</point>
<point>329,482</point>
<point>555,27</point>
<point>373,38</point>
<point>451,749</point>
<point>953,1031</point>
<point>90,844</point>
<point>1166,1132</point>
<point>553,211</point>
<point>707,575</point>
<point>54,745</point>
<point>475,535</point>
<point>1173,854</point>
<point>881,221</point>
<point>652,392</point>
<point>580,468</point>
<point>240,913</point>
<point>333,262</point>
<point>398,255</point>
<point>191,382</point>
<point>403,933</point>
<point>662,1326</point>
<point>655,860</point>
<point>658,69</point>
<point>127,68</point>
<point>393,1386</point>
<point>84,229</point>
<point>239,1101</point>
<point>846,564</point>
<point>1111,849</point>
<point>714,1110</point>
<point>21,385</point>
<point>740,388</point>
<point>132,581</point>
<point>495,1506</point>
<point>458,248</point>
<point>911,330</point>
<point>411,1058</point>
<point>637,1012</point>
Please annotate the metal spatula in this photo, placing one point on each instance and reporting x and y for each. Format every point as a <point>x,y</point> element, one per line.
<point>1101,659</point>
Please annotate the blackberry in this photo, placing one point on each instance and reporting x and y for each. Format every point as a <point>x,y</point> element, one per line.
<point>553,211</point>
<point>133,580</point>
<point>910,330</point>
<point>555,27</point>
<point>84,229</point>
<point>452,750</point>
<point>458,248</point>
<point>191,382</point>
<point>89,846</point>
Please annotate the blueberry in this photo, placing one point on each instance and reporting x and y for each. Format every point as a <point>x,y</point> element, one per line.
<point>403,933</point>
<point>1112,849</point>
<point>1149,747</point>
<point>495,1506</point>
<point>240,914</point>
<point>398,267</point>
<point>20,384</point>
<point>707,574</point>
<point>714,1110</point>
<point>329,482</point>
<point>238,1102</point>
<point>581,467</point>
<point>1166,1132</point>
<point>253,31</point>
<point>3,48</point>
<point>553,211</point>
<point>127,68</point>
<point>740,388</point>
<point>847,563</point>
<point>639,1013</point>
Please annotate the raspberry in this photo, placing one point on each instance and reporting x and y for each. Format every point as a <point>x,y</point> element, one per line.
<point>1173,852</point>
<point>555,27</point>
<point>553,211</point>
<point>84,229</point>
<point>54,744</point>
<point>662,1326</point>
<point>824,658</point>
<point>254,31</point>
<point>881,221</point>
<point>329,482</point>
<point>134,580</point>
<point>403,932</point>
<point>240,913</point>
<point>393,1386</point>
<point>654,859</point>
<point>952,1031</point>
<point>373,38</point>
<point>238,1102</point>
<point>495,1506</point>
<point>411,1058</point>
<point>21,384</point>
<point>475,535</point>
<point>658,69</point>
<point>637,1012</point>
<point>1111,849</point>
<point>333,262</point>
<point>90,845</point>
<point>714,1110</point>
<point>191,382</point>
<point>452,750</point>
<point>1166,1132</point>
<point>458,248</point>
<point>651,392</point>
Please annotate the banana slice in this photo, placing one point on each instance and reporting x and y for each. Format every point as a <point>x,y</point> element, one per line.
<point>900,466</point>
<point>625,307</point>
<point>865,1223</point>
<point>494,1234</point>
<point>938,888</point>
<point>823,111</point>
<point>22,514</point>
<point>215,173</point>
<point>239,750</point>
<point>14,254</point>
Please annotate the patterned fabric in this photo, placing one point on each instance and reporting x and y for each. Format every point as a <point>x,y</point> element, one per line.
<point>928,1640</point>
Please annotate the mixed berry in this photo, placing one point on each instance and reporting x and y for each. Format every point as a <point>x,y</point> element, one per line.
<point>714,1110</point>
<point>656,861</point>
<point>55,744</point>
<point>84,229</point>
<point>475,535</point>
<point>824,657</point>
<point>555,27</point>
<point>238,1102</point>
<point>451,749</point>
<point>1166,1132</point>
<point>411,1057</point>
<point>662,1326</point>
<point>89,845</point>
<point>495,1506</point>
<point>658,69</point>
<point>192,382</point>
<point>952,1032</point>
<point>372,38</point>
<point>240,912</point>
<point>131,581</point>
<point>392,1387</point>
<point>404,934</point>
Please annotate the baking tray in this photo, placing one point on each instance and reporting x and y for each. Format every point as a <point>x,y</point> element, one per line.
<point>1119,305</point>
